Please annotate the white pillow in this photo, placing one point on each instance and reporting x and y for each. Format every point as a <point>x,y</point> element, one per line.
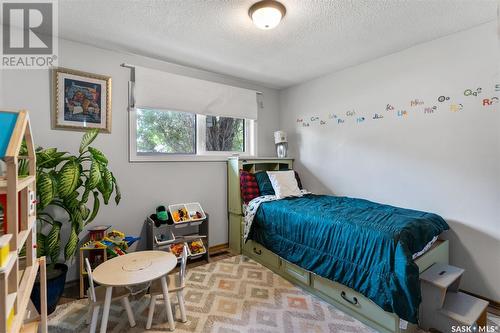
<point>284,183</point>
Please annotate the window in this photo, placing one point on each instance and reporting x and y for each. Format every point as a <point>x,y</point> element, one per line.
<point>166,132</point>
<point>157,135</point>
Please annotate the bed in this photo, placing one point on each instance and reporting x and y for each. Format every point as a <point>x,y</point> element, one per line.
<point>356,254</point>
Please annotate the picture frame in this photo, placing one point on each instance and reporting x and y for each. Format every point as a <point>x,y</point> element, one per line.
<point>81,100</point>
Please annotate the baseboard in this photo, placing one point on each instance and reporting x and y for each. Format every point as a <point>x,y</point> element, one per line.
<point>218,248</point>
<point>494,305</point>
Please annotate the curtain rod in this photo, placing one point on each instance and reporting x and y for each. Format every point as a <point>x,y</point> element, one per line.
<point>127,65</point>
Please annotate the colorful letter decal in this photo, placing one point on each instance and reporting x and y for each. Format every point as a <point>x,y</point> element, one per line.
<point>456,107</point>
<point>430,109</point>
<point>490,101</point>
<point>416,102</point>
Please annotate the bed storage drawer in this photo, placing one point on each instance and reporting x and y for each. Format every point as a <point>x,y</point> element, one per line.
<point>296,273</point>
<point>260,253</point>
<point>356,302</point>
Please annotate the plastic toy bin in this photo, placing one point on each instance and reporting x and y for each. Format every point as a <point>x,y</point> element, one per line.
<point>190,209</point>
<point>198,254</point>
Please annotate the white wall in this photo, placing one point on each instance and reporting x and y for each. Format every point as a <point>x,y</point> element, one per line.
<point>446,162</point>
<point>143,185</point>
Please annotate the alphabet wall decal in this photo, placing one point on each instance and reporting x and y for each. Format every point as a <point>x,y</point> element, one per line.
<point>470,92</point>
<point>456,107</point>
<point>490,101</point>
<point>402,113</point>
<point>416,102</point>
<point>417,105</point>
<point>429,110</point>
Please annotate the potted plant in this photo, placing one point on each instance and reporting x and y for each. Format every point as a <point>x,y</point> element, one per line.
<point>65,183</point>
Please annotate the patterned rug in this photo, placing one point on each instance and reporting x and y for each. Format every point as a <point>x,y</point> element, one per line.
<point>228,296</point>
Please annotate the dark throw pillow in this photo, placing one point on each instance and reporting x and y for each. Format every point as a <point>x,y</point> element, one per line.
<point>265,186</point>
<point>249,187</point>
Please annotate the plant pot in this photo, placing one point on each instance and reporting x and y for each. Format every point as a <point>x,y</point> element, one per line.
<point>56,279</point>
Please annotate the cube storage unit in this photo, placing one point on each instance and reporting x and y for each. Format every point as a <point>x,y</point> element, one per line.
<point>444,306</point>
<point>96,256</point>
<point>16,281</point>
<point>164,236</point>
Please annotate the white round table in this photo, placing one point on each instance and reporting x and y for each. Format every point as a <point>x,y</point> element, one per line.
<point>131,269</point>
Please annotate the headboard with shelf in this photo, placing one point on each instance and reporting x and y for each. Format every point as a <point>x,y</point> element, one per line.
<point>234,201</point>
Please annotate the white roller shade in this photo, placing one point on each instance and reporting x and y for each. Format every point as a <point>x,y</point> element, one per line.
<point>166,91</point>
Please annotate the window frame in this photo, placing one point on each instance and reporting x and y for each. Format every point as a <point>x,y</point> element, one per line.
<point>201,154</point>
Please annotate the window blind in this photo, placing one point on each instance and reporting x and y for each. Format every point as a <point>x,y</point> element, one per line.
<point>154,89</point>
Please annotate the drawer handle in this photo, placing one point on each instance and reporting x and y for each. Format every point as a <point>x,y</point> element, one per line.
<point>354,299</point>
<point>259,252</point>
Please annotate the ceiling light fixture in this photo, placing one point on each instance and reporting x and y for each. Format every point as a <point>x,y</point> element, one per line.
<point>267,14</point>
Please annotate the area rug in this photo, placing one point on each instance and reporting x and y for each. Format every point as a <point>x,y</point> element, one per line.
<point>227,296</point>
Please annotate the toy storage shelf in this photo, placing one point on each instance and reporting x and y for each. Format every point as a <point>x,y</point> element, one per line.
<point>22,183</point>
<point>18,199</point>
<point>10,263</point>
<point>83,272</point>
<point>11,299</point>
<point>174,232</point>
<point>23,235</point>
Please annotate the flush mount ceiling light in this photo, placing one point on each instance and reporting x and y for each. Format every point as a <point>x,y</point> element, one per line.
<point>267,14</point>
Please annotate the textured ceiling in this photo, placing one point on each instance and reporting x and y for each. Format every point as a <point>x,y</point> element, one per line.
<point>315,37</point>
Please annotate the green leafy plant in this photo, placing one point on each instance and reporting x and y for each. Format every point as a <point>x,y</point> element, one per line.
<point>67,181</point>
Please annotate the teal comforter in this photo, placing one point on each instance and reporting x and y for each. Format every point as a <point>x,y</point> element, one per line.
<point>364,245</point>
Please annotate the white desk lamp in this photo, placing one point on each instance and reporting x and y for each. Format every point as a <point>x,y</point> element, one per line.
<point>281,142</point>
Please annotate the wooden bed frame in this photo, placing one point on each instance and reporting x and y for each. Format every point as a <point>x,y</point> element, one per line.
<point>339,295</point>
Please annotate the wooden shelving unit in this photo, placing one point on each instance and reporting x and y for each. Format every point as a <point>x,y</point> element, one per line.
<point>16,283</point>
<point>84,252</point>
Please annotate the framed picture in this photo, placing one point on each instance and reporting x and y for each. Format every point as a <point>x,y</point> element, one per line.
<point>81,100</point>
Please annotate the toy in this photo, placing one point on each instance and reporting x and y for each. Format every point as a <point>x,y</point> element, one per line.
<point>176,249</point>
<point>181,215</point>
<point>18,201</point>
<point>196,247</point>
<point>115,243</point>
<point>116,235</point>
<point>196,215</point>
<point>97,233</point>
<point>162,214</point>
